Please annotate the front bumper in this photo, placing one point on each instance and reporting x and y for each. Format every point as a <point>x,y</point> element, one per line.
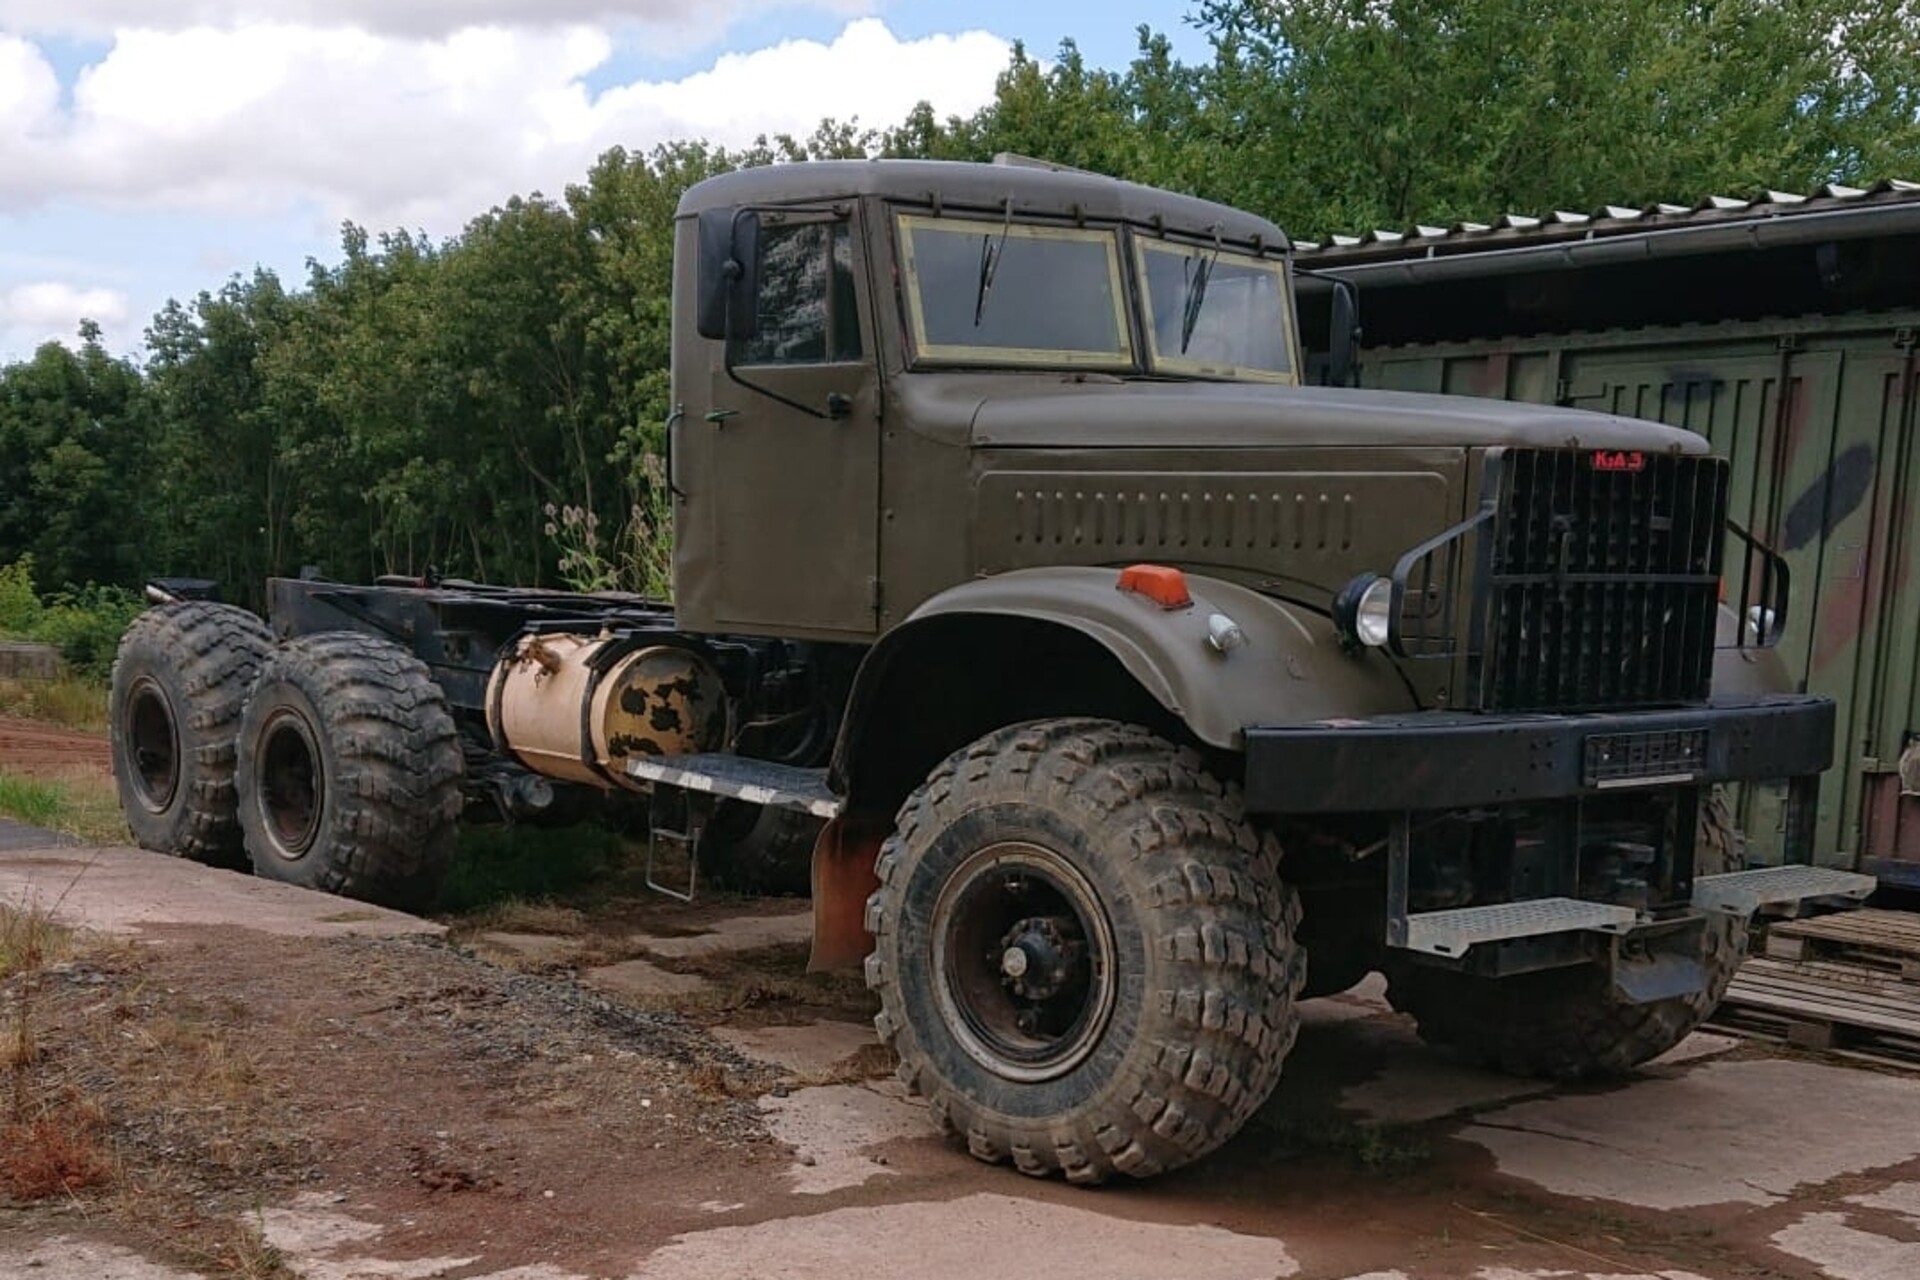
<point>1456,759</point>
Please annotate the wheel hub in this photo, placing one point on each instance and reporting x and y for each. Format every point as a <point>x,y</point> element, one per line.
<point>1039,956</point>
<point>1024,959</point>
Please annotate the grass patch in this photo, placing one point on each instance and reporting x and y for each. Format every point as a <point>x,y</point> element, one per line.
<point>497,867</point>
<point>72,702</point>
<point>38,804</point>
<point>88,810</point>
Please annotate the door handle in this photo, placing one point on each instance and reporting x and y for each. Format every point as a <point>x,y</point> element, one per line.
<point>718,416</point>
<point>839,405</point>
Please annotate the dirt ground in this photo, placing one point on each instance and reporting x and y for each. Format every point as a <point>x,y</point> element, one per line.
<point>292,1085</point>
<point>33,750</point>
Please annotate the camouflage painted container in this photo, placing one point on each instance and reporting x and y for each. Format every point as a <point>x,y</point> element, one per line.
<point>1784,331</point>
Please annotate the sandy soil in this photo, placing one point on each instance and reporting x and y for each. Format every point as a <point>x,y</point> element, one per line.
<point>35,750</point>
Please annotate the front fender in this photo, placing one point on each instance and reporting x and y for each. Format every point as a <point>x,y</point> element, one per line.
<point>1291,667</point>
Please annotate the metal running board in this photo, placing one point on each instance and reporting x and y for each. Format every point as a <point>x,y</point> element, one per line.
<point>1745,892</point>
<point>758,782</point>
<point>1451,933</point>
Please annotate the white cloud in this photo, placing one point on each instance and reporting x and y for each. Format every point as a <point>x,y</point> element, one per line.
<point>679,22</point>
<point>51,311</point>
<point>387,130</point>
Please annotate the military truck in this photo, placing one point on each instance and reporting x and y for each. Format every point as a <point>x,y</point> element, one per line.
<point>1125,688</point>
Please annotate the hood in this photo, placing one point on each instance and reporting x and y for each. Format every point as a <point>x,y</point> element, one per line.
<point>1072,413</point>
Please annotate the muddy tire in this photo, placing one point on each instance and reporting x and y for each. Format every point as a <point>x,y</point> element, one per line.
<point>179,681</point>
<point>1562,1024</point>
<point>350,770</point>
<point>758,849</point>
<point>1720,845</point>
<point>1083,951</point>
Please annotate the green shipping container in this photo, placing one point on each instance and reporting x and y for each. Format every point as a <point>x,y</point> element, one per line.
<point>1784,329</point>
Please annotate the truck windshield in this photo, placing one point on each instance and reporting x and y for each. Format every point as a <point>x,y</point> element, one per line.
<point>1001,292</point>
<point>1216,313</point>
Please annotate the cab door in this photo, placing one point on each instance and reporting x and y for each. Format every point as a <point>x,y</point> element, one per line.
<point>794,483</point>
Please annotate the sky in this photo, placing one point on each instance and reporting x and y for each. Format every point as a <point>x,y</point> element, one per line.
<point>150,149</point>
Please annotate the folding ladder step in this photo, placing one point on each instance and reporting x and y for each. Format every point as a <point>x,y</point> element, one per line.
<point>1452,933</point>
<point>1745,892</point>
<point>758,782</point>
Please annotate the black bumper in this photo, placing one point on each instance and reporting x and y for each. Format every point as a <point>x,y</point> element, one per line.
<point>1454,759</point>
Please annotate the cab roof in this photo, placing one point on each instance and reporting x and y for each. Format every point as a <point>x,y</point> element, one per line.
<point>1035,189</point>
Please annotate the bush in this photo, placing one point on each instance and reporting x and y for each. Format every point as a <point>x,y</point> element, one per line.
<point>85,625</point>
<point>19,606</point>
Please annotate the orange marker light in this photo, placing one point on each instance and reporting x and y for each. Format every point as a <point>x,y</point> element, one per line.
<point>1162,584</point>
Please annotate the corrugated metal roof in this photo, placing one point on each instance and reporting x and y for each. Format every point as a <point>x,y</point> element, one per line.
<point>1516,229</point>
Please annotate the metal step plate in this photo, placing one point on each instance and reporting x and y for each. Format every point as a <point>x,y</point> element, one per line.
<point>1745,892</point>
<point>1451,933</point>
<point>759,782</point>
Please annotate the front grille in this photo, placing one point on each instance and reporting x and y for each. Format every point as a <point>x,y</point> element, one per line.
<point>1601,583</point>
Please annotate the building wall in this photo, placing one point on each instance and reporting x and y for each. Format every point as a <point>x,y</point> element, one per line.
<point>1818,416</point>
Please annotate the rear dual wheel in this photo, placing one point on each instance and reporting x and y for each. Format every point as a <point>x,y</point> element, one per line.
<point>349,767</point>
<point>180,681</point>
<point>1083,951</point>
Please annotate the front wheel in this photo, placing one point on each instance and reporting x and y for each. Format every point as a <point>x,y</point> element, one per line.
<point>1084,952</point>
<point>349,771</point>
<point>1568,1024</point>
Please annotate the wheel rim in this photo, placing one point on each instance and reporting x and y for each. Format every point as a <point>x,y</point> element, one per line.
<point>1023,961</point>
<point>293,786</point>
<point>153,744</point>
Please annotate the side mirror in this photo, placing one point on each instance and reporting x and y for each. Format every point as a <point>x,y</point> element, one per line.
<point>728,275</point>
<point>1343,336</point>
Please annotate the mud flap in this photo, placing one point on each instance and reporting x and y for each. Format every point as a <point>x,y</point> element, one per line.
<point>843,878</point>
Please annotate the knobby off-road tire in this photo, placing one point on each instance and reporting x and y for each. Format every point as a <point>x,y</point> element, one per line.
<point>1089,835</point>
<point>179,681</point>
<point>350,771</point>
<point>1567,1024</point>
<point>758,849</point>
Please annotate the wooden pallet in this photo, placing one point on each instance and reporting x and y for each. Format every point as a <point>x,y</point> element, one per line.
<point>1819,1004</point>
<point>1886,941</point>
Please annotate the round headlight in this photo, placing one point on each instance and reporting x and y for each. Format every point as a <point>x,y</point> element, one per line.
<point>1363,611</point>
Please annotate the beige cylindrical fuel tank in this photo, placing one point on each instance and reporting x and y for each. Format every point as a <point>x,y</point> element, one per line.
<point>552,710</point>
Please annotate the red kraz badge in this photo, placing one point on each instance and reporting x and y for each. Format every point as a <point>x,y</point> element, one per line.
<point>1619,460</point>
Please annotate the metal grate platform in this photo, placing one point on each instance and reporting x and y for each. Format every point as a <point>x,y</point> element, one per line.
<point>1745,892</point>
<point>759,782</point>
<point>1451,933</point>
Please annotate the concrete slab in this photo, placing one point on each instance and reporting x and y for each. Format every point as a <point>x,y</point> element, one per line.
<point>810,1050</point>
<point>976,1235</point>
<point>643,980</point>
<point>734,934</point>
<point>1367,1000</point>
<point>1723,1132</point>
<point>537,949</point>
<point>65,1258</point>
<point>1701,1044</point>
<point>1902,1198</point>
<point>1415,1084</point>
<point>834,1130</point>
<point>128,890</point>
<point>18,836</point>
<point>1845,1252</point>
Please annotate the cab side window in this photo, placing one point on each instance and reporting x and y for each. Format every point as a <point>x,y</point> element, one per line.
<point>806,308</point>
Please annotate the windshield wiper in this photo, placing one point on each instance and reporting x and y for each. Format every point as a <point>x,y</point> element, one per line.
<point>990,255</point>
<point>1198,273</point>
